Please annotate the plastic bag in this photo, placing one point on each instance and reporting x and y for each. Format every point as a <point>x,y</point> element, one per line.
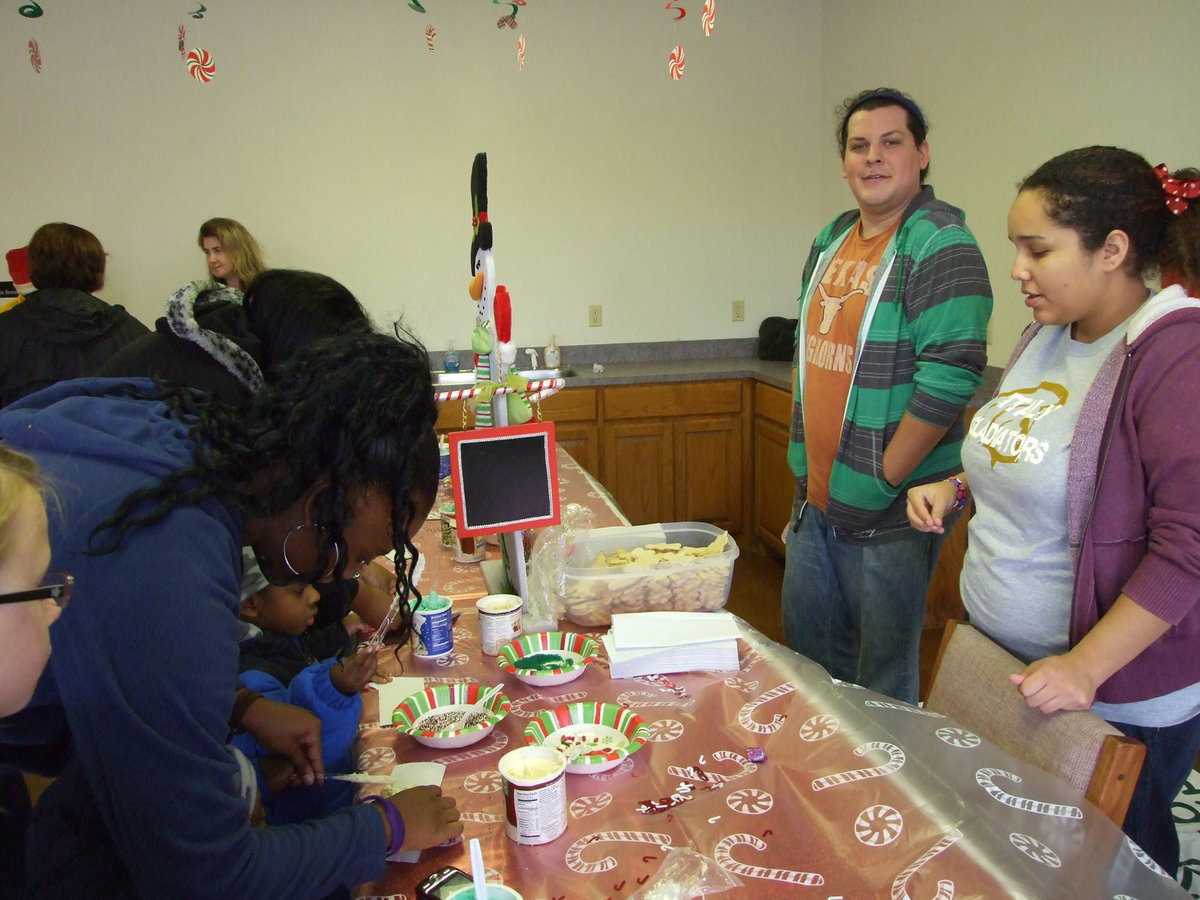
<point>685,874</point>
<point>547,569</point>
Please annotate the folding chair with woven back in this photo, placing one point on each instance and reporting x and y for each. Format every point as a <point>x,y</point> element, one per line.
<point>970,684</point>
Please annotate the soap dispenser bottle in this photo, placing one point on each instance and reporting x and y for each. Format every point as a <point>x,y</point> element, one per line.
<point>550,358</point>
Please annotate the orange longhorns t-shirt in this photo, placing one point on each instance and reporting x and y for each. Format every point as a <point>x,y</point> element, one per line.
<point>830,340</point>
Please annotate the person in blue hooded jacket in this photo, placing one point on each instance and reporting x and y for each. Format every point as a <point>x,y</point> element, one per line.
<point>332,463</point>
<point>322,670</point>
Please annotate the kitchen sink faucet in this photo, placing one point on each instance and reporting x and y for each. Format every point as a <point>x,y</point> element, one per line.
<point>532,358</point>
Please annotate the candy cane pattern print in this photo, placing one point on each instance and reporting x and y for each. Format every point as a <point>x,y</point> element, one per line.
<point>664,730</point>
<point>497,743</point>
<point>576,862</point>
<point>714,779</point>
<point>529,707</point>
<point>945,888</point>
<point>896,755</point>
<point>903,707</point>
<point>958,737</point>
<point>819,727</point>
<point>746,713</point>
<point>588,806</point>
<point>1144,858</point>
<point>741,685</point>
<point>482,818</point>
<point>376,759</point>
<point>631,699</point>
<point>1035,849</point>
<point>878,826</point>
<point>725,859</point>
<point>984,778</point>
<point>487,782</point>
<point>751,801</point>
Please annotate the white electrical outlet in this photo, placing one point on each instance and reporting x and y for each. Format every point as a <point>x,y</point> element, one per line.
<point>595,316</point>
<point>739,310</point>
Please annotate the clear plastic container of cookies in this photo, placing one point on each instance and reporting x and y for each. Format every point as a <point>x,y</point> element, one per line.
<point>675,565</point>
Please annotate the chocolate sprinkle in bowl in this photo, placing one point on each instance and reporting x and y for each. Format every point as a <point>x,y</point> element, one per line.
<point>429,716</point>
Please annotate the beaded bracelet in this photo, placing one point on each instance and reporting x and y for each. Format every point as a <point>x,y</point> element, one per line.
<point>960,497</point>
<point>394,819</point>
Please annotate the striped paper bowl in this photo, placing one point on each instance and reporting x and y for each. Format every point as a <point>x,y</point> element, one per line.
<point>548,657</point>
<point>419,715</point>
<point>594,737</point>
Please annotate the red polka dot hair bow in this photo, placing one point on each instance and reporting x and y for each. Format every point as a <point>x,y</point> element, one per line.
<point>1178,191</point>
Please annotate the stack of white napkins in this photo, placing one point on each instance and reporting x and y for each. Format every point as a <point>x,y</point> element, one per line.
<point>655,643</point>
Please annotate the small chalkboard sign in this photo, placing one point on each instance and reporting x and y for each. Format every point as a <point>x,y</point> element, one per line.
<point>505,479</point>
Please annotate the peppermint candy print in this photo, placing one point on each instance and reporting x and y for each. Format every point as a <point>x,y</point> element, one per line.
<point>676,63</point>
<point>819,727</point>
<point>486,782</point>
<point>751,801</point>
<point>958,737</point>
<point>376,760</point>
<point>582,807</point>
<point>664,730</point>
<point>1035,849</point>
<point>878,826</point>
<point>200,65</point>
<point>708,17</point>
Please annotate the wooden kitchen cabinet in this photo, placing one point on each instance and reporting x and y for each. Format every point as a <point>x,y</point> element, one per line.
<point>675,452</point>
<point>774,483</point>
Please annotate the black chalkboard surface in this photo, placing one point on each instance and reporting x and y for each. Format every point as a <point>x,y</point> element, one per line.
<point>505,479</point>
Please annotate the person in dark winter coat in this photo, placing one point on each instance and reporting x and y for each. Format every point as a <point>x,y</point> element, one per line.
<point>60,331</point>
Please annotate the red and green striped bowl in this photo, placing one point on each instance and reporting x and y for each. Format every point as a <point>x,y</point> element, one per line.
<point>594,737</point>
<point>448,698</point>
<point>548,657</point>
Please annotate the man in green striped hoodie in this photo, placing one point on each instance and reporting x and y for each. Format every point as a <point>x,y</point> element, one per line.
<point>891,344</point>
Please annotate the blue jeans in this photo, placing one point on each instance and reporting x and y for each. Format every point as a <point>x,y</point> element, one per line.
<point>1170,755</point>
<point>858,608</point>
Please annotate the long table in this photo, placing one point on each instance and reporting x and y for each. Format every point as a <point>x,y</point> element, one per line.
<point>858,796</point>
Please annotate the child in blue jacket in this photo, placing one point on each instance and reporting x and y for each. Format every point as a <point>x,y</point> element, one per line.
<point>285,659</point>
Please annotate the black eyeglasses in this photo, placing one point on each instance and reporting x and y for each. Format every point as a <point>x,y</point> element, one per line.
<point>56,586</point>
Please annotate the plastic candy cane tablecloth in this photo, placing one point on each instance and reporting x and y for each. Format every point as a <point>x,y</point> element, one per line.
<point>858,796</point>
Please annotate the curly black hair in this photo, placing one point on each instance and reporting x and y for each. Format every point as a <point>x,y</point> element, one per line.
<point>357,408</point>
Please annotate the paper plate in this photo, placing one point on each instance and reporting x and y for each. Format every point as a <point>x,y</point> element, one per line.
<point>548,657</point>
<point>594,737</point>
<point>419,715</point>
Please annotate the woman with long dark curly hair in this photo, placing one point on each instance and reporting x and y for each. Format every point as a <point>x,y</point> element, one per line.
<point>331,464</point>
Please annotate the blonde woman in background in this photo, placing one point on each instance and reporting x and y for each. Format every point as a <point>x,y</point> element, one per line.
<point>231,252</point>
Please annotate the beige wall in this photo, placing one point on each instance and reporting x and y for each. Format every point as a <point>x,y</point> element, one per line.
<point>1007,85</point>
<point>346,146</point>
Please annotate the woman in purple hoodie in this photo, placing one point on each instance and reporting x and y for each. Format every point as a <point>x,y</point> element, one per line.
<point>1084,551</point>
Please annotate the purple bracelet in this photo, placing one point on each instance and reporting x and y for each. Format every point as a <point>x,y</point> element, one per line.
<point>395,822</point>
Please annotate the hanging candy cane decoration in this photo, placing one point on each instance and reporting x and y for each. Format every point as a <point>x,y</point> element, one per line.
<point>945,888</point>
<point>746,713</point>
<point>577,863</point>
<point>896,760</point>
<point>984,778</point>
<point>726,861</point>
